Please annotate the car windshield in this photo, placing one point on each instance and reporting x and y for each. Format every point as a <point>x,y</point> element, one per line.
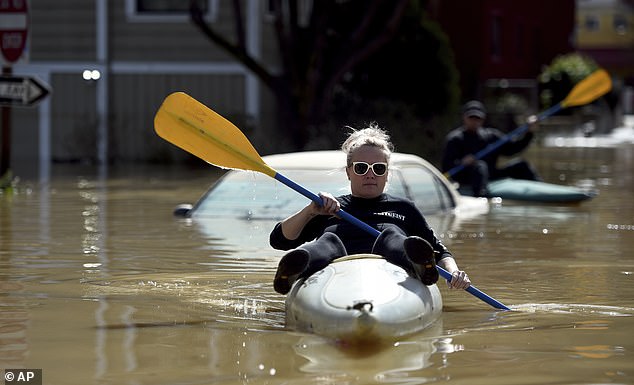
<point>251,195</point>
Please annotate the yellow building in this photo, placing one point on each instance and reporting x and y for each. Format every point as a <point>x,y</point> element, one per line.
<point>605,32</point>
<point>605,24</point>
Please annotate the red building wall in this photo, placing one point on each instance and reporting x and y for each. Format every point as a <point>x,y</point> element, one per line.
<point>504,38</point>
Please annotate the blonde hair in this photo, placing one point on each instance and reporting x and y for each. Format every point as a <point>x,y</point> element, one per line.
<point>372,135</point>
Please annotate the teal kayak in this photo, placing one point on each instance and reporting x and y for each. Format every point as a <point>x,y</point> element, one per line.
<point>534,191</point>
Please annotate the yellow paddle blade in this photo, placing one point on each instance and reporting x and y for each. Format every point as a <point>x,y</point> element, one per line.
<point>589,89</point>
<point>192,126</point>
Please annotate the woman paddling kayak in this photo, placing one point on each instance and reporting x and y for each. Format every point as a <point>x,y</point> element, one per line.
<point>316,236</point>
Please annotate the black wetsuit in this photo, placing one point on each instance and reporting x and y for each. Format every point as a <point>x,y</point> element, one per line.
<point>385,211</point>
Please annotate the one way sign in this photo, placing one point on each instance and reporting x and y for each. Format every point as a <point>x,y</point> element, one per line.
<point>21,90</point>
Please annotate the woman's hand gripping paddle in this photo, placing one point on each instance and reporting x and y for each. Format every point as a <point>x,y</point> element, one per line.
<point>192,126</point>
<point>588,90</point>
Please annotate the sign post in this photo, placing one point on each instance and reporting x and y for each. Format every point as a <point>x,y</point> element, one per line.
<point>13,36</point>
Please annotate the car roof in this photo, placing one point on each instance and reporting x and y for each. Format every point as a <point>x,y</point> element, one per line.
<point>336,159</point>
<point>323,165</point>
<point>329,159</point>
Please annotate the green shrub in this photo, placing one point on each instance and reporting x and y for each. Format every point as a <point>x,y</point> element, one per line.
<point>558,78</point>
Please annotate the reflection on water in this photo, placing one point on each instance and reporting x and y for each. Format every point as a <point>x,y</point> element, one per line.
<point>394,362</point>
<point>99,284</point>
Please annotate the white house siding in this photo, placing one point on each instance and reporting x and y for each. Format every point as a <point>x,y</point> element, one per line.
<point>133,40</point>
<point>62,30</point>
<point>141,62</point>
<point>137,97</point>
<point>74,117</point>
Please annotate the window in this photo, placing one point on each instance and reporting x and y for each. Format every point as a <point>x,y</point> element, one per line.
<point>519,41</point>
<point>591,23</point>
<point>424,188</point>
<point>167,10</point>
<point>247,194</point>
<point>496,36</point>
<point>620,24</point>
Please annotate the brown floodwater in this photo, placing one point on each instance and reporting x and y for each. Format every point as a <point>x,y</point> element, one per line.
<point>100,284</point>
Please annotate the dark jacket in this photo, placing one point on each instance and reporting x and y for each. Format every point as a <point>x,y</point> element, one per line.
<point>460,143</point>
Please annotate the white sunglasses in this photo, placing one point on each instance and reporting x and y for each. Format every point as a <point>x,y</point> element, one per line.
<point>362,168</point>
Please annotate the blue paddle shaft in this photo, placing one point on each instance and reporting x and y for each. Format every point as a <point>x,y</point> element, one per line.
<point>317,199</point>
<point>344,215</point>
<point>500,142</point>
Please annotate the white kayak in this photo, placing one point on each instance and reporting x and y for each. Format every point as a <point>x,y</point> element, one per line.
<point>362,298</point>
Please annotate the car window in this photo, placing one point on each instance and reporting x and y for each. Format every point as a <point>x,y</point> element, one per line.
<point>252,195</point>
<point>395,184</point>
<point>248,194</point>
<point>425,189</point>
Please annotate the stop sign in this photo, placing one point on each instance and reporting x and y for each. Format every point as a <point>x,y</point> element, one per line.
<point>13,29</point>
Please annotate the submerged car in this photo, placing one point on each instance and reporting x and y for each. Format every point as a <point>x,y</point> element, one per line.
<point>257,201</point>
